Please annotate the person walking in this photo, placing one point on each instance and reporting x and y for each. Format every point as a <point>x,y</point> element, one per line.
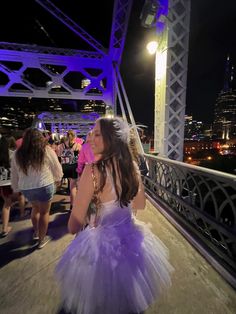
<point>35,171</point>
<point>118,265</point>
<point>68,155</point>
<point>6,192</point>
<point>86,155</point>
<point>20,199</point>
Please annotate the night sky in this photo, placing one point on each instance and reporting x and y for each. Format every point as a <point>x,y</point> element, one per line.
<point>212,36</point>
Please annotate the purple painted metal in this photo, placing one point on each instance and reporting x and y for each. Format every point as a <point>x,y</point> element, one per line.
<point>120,20</point>
<point>50,7</point>
<point>95,66</point>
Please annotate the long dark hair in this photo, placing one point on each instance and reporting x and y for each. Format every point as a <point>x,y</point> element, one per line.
<point>32,150</point>
<point>118,158</point>
<point>4,153</point>
<point>12,143</point>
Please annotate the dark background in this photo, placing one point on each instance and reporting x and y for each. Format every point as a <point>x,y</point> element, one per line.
<point>212,37</point>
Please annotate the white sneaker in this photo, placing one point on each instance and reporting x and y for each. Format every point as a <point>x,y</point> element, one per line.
<point>35,236</point>
<point>45,240</point>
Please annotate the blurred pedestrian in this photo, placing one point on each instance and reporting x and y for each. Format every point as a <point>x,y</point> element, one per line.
<point>21,199</point>
<point>86,155</point>
<point>68,153</point>
<point>35,172</point>
<point>6,191</point>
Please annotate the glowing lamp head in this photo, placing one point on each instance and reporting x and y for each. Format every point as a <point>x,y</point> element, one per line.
<point>152,47</point>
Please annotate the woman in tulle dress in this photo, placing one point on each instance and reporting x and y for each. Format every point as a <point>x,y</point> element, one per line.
<point>116,266</point>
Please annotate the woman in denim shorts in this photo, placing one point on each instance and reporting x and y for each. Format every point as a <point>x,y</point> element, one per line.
<point>35,171</point>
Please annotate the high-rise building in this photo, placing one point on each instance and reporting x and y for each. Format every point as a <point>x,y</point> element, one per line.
<point>224,126</point>
<point>92,105</point>
<point>193,129</point>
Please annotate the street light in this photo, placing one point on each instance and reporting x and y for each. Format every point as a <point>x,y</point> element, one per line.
<point>152,47</point>
<point>160,62</point>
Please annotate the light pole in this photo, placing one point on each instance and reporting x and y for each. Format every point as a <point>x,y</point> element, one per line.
<point>171,78</point>
<point>160,51</point>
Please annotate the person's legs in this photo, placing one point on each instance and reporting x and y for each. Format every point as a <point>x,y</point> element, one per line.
<point>40,199</point>
<point>44,208</point>
<point>6,214</point>
<point>35,217</point>
<point>73,185</point>
<point>21,201</point>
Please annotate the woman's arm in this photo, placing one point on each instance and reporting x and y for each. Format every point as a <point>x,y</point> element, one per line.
<point>83,198</point>
<point>81,162</point>
<point>60,149</point>
<point>139,201</point>
<point>54,164</point>
<point>14,174</point>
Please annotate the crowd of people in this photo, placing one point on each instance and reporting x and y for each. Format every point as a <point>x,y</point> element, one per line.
<point>115,264</point>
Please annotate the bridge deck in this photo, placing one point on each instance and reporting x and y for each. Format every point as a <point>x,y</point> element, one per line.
<point>27,282</point>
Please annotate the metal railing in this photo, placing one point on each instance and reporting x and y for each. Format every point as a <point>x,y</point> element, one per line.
<point>202,201</point>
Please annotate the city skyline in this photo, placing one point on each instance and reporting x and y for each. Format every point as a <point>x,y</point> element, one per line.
<point>211,28</point>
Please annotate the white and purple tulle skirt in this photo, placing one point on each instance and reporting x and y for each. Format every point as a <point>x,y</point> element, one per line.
<point>118,267</point>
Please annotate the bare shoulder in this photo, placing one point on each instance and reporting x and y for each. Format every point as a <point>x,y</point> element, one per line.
<point>135,165</point>
<point>87,169</point>
<point>49,149</point>
<point>92,171</point>
<point>91,165</point>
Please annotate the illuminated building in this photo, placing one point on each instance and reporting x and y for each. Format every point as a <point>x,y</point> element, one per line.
<point>193,129</point>
<point>224,126</point>
<point>92,105</point>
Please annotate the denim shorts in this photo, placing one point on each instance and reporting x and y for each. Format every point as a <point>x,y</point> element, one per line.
<point>43,194</point>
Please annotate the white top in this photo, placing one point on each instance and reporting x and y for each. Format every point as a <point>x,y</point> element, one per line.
<point>50,172</point>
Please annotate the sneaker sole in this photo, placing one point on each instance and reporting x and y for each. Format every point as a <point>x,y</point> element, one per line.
<point>40,246</point>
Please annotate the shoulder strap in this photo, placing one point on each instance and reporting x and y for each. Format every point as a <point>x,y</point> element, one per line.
<point>94,179</point>
<point>95,195</point>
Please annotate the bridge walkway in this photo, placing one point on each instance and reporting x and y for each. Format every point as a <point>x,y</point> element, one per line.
<point>27,284</point>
